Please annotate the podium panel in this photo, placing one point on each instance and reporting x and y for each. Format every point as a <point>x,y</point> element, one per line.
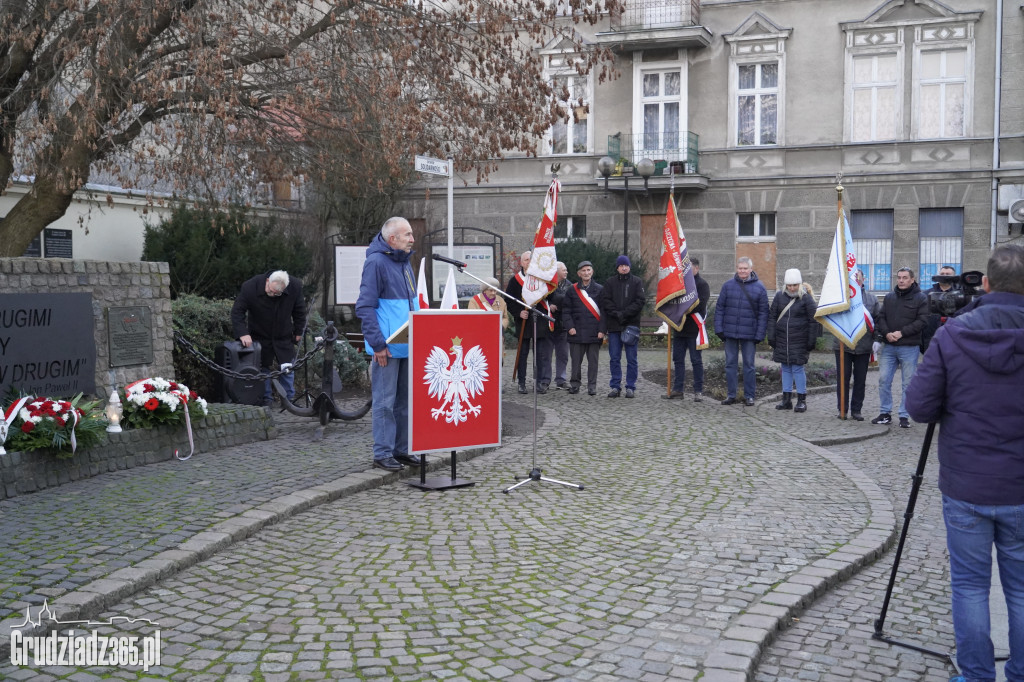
<point>455,380</point>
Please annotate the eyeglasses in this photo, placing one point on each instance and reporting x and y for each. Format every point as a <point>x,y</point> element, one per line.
<point>271,291</point>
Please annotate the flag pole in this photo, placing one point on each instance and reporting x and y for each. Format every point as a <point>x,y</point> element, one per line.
<point>668,350</point>
<point>842,346</point>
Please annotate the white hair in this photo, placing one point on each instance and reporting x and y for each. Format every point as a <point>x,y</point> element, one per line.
<point>392,225</point>
<point>279,276</point>
<point>746,260</point>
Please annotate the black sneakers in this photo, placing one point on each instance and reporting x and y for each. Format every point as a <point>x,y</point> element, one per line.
<point>904,423</point>
<point>884,418</point>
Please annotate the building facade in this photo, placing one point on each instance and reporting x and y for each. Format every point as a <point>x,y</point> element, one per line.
<point>756,106</point>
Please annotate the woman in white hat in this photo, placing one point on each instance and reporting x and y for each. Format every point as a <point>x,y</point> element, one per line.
<point>792,332</point>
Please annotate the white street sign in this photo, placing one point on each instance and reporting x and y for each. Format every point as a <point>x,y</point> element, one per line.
<point>425,164</point>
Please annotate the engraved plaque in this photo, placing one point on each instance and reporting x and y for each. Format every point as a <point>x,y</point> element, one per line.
<point>130,335</point>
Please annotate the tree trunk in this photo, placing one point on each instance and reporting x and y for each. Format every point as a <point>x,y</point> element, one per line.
<point>43,205</point>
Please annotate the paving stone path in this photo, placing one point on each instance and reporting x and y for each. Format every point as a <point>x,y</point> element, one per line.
<point>701,530</point>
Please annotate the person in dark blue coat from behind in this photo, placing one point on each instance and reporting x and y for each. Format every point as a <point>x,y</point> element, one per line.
<point>741,321</point>
<point>969,381</point>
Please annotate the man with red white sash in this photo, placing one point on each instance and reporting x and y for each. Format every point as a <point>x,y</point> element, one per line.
<point>581,317</point>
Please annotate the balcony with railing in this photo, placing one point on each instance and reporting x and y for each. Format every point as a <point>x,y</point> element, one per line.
<point>675,157</point>
<point>646,24</point>
<point>670,152</point>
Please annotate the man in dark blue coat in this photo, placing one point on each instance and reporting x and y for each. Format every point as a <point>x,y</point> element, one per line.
<point>270,309</point>
<point>581,317</point>
<point>622,301</point>
<point>741,321</point>
<point>969,381</point>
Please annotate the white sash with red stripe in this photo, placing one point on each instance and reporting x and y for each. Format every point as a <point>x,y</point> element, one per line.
<point>588,302</point>
<point>702,331</point>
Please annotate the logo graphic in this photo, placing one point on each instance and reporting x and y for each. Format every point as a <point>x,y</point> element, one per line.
<point>84,649</point>
<point>456,382</point>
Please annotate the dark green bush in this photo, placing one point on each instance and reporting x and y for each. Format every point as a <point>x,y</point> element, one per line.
<point>602,255</point>
<point>211,252</point>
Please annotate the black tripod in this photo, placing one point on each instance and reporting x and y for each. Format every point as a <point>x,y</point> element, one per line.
<point>909,514</point>
<point>535,473</point>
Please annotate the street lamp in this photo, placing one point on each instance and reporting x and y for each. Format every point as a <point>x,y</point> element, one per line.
<point>645,167</point>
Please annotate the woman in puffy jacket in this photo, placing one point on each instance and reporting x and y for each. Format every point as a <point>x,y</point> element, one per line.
<point>792,332</point>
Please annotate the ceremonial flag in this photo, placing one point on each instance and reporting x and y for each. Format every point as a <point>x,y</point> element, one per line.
<point>841,308</point>
<point>421,288</point>
<point>450,298</point>
<point>543,268</point>
<point>677,290</point>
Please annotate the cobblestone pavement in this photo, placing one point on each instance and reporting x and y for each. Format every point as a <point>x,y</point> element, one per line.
<point>701,529</point>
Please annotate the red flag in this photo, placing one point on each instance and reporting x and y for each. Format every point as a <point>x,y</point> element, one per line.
<point>677,291</point>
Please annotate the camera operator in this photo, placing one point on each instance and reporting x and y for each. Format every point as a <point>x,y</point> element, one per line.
<point>935,319</point>
<point>969,381</point>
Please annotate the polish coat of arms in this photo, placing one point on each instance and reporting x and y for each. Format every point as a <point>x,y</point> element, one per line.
<point>456,381</point>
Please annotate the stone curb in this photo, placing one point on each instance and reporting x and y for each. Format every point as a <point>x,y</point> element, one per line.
<point>737,653</point>
<point>93,598</point>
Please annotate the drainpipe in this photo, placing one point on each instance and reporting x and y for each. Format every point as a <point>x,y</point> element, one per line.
<point>995,118</point>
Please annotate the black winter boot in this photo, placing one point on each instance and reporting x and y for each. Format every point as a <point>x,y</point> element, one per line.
<point>801,406</point>
<point>787,402</point>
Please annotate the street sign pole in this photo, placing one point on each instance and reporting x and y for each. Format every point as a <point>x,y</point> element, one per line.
<point>451,207</point>
<point>426,164</point>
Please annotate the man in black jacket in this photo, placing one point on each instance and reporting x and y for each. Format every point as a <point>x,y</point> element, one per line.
<point>524,332</point>
<point>898,325</point>
<point>685,341</point>
<point>581,317</point>
<point>622,301</point>
<point>270,309</point>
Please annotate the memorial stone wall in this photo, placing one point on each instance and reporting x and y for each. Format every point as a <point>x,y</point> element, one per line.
<point>132,333</point>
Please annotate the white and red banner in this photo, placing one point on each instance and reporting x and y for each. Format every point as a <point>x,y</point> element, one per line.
<point>450,297</point>
<point>454,380</point>
<point>422,293</point>
<point>543,268</point>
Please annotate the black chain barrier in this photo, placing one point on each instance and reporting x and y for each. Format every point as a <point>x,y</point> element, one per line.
<point>330,336</point>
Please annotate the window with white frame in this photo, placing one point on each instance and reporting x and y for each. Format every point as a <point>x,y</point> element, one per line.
<point>942,93</point>
<point>875,87</point>
<point>661,104</point>
<point>570,227</point>
<point>872,244</point>
<point>572,134</point>
<point>755,226</point>
<point>941,235</point>
<point>757,102</point>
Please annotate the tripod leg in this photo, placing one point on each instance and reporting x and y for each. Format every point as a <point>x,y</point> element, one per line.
<point>909,514</point>
<point>571,485</point>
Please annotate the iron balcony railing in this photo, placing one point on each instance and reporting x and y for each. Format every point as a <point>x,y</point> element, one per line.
<point>640,15</point>
<point>668,151</point>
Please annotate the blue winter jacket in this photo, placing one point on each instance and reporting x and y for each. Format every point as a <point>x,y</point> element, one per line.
<point>387,294</point>
<point>969,380</point>
<point>735,317</point>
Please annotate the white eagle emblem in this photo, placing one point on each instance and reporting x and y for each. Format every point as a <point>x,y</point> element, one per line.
<point>455,384</point>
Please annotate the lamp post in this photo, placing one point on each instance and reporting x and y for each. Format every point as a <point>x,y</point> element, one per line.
<point>645,167</point>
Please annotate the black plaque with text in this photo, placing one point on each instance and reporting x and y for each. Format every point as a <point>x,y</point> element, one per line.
<point>46,344</point>
<point>130,334</point>
<point>57,243</point>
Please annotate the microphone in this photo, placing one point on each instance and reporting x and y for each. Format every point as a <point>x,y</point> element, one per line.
<point>456,263</point>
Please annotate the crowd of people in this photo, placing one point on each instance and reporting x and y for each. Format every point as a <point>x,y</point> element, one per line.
<point>972,366</point>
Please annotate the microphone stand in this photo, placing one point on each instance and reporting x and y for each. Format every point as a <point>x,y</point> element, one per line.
<point>535,473</point>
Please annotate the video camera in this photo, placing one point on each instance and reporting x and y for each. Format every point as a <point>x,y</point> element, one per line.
<point>963,289</point>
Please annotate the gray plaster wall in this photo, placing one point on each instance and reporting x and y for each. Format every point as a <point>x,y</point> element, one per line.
<point>110,284</point>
